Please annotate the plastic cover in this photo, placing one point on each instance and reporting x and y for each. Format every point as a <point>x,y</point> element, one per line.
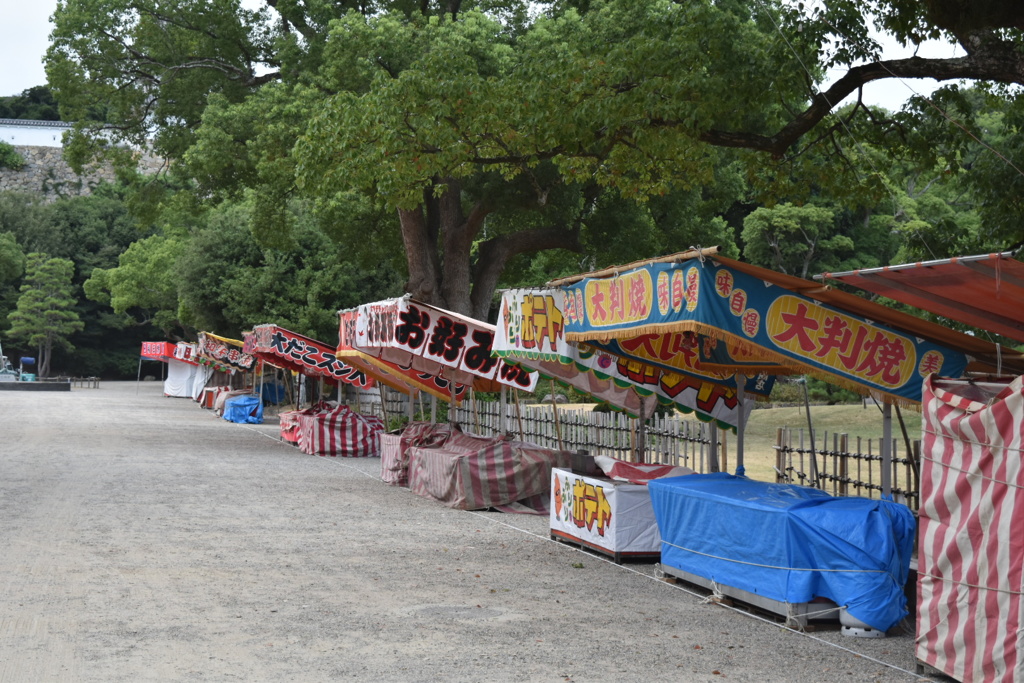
<point>788,543</point>
<point>244,410</point>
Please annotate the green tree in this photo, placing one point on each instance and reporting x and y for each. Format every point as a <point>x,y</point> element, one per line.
<point>451,114</point>
<point>12,267</point>
<point>45,316</point>
<point>792,239</point>
<point>143,285</point>
<point>35,103</point>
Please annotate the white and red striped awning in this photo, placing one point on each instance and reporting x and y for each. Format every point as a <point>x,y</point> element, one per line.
<point>985,291</point>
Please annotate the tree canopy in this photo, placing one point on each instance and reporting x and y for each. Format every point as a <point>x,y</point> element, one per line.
<point>45,316</point>
<point>472,135</point>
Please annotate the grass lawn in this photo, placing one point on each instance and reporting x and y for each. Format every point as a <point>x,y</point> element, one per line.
<point>855,420</point>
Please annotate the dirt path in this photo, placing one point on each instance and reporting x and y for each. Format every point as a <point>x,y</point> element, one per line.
<point>142,539</point>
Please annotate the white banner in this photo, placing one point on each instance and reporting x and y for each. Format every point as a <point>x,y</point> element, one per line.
<point>411,333</point>
<point>612,515</point>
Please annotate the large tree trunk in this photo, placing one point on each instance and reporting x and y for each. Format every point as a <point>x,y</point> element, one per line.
<point>439,237</point>
<point>420,255</point>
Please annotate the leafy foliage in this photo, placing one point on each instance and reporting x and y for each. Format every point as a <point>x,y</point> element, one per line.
<point>35,103</point>
<point>9,157</point>
<point>44,316</point>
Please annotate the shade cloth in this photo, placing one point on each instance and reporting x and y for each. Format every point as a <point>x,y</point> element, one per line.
<point>986,291</point>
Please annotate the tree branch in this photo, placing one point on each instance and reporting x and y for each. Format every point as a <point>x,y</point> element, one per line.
<point>495,253</point>
<point>992,61</point>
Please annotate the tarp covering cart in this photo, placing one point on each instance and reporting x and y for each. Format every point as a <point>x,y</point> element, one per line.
<point>476,473</point>
<point>394,456</point>
<point>245,409</point>
<point>340,432</point>
<point>790,544</point>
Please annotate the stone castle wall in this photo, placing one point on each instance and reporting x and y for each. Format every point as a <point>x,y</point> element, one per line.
<point>45,172</point>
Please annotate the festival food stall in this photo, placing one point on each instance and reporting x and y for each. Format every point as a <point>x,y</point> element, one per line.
<point>323,429</point>
<point>601,509</point>
<point>970,553</point>
<point>395,446</point>
<point>764,317</point>
<point>464,471</point>
<point>185,376</point>
<point>231,369</point>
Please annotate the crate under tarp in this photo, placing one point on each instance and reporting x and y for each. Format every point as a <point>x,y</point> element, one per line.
<point>340,432</point>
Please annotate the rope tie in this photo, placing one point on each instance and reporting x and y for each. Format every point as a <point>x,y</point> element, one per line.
<point>971,585</point>
<point>770,566</point>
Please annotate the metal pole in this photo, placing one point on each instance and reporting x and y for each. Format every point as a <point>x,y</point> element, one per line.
<point>476,415</point>
<point>810,427</point>
<point>383,406</point>
<point>519,415</point>
<point>138,379</point>
<point>713,452</point>
<point>887,449</point>
<point>554,408</point>
<point>502,407</point>
<point>741,423</point>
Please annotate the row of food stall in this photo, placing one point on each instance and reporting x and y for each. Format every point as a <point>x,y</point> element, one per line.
<point>702,333</point>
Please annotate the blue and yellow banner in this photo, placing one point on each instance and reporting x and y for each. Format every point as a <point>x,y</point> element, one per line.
<point>756,322</point>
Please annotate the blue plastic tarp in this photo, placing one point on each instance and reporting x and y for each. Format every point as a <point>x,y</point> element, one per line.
<point>272,393</point>
<point>788,543</point>
<point>244,410</point>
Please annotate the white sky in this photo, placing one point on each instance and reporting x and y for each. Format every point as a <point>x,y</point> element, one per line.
<point>25,30</point>
<point>24,36</point>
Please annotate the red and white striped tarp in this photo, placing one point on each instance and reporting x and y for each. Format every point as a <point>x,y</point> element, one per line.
<point>392,468</point>
<point>340,432</point>
<point>394,449</point>
<point>636,473</point>
<point>289,421</point>
<point>971,539</point>
<point>470,473</point>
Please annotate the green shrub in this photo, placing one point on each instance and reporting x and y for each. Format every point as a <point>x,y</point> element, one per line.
<point>9,157</point>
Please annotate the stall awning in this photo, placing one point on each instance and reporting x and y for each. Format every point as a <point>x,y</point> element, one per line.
<point>772,317</point>
<point>403,379</point>
<point>157,350</point>
<point>168,351</point>
<point>223,353</point>
<point>428,339</point>
<point>531,332</point>
<point>299,353</point>
<point>985,291</point>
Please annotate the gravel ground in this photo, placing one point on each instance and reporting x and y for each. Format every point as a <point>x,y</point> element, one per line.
<point>146,540</point>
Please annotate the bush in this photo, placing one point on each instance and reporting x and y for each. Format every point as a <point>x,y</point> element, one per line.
<point>9,157</point>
